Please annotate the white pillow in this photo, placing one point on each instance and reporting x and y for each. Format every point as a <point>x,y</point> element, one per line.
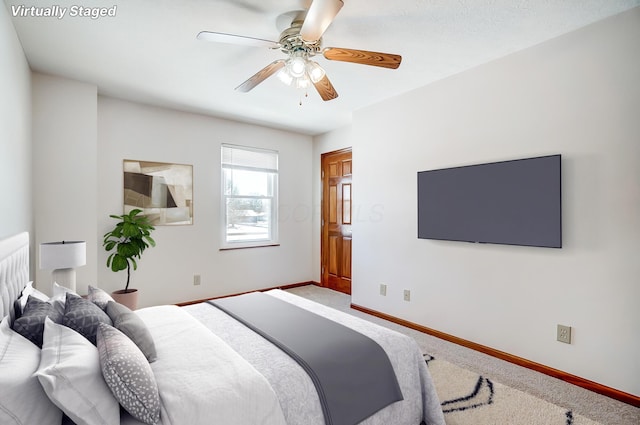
<point>22,399</point>
<point>25,294</point>
<point>70,375</point>
<point>60,293</point>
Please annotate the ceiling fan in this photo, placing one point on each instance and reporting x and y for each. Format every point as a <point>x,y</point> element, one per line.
<point>301,41</point>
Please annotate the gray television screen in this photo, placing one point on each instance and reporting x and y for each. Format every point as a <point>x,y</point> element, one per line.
<point>514,202</point>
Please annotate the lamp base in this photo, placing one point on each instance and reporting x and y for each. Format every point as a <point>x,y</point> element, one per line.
<point>64,277</point>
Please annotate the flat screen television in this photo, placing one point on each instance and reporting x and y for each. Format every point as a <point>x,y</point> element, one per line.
<point>514,202</point>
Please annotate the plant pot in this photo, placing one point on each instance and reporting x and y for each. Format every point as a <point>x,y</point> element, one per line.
<point>129,298</point>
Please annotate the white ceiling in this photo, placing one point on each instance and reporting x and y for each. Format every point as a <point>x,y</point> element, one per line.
<point>149,53</point>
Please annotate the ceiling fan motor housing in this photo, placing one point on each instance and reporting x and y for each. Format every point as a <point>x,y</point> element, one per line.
<point>292,43</point>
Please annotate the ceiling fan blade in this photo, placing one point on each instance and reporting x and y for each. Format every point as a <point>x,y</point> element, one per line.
<point>320,15</point>
<point>220,37</point>
<point>261,75</point>
<point>325,89</point>
<point>363,57</point>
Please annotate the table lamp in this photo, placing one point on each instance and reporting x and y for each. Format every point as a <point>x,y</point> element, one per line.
<point>62,258</point>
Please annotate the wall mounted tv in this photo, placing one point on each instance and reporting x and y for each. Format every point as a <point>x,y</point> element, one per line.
<point>514,202</point>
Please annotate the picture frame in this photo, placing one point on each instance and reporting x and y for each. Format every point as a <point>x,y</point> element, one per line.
<point>162,190</point>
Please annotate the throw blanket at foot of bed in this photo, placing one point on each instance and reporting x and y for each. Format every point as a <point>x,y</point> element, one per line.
<point>352,373</point>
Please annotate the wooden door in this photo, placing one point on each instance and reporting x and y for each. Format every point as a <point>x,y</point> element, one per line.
<point>337,211</point>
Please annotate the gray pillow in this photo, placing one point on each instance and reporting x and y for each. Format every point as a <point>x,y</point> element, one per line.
<point>130,324</point>
<point>31,324</point>
<point>99,297</point>
<point>83,316</point>
<point>128,374</point>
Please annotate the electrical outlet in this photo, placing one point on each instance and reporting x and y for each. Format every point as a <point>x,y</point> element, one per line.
<point>564,334</point>
<point>383,289</point>
<point>196,279</point>
<point>407,295</point>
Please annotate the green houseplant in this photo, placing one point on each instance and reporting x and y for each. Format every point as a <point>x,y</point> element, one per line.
<point>130,237</point>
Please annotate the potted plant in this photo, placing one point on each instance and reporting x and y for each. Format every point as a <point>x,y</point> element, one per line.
<point>130,237</point>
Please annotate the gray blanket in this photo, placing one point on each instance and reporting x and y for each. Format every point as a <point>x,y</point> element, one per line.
<point>352,373</point>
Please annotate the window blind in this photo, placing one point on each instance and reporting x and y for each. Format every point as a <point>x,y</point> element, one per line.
<point>249,158</point>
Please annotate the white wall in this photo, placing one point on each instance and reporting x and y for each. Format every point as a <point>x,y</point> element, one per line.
<point>577,95</point>
<point>15,133</point>
<point>64,170</point>
<point>165,273</point>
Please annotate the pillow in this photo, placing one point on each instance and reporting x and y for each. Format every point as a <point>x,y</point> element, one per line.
<point>60,293</point>
<point>31,324</point>
<point>21,301</point>
<point>28,289</point>
<point>99,297</point>
<point>83,316</point>
<point>130,324</point>
<point>39,295</point>
<point>70,374</point>
<point>128,374</point>
<point>22,399</point>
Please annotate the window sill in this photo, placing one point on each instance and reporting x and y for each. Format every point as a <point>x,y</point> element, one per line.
<point>233,248</point>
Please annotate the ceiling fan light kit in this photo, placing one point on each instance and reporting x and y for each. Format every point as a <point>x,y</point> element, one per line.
<point>301,42</point>
<point>300,72</point>
<point>315,71</point>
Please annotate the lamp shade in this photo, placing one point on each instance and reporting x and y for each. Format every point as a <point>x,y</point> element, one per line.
<point>63,255</point>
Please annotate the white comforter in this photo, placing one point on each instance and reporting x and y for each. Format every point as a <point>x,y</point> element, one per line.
<point>211,369</point>
<point>201,380</point>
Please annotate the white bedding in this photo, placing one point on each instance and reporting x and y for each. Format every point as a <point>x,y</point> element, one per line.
<point>295,389</point>
<point>291,385</point>
<point>201,380</point>
<point>211,369</point>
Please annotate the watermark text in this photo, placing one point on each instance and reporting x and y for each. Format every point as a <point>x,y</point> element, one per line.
<point>60,12</point>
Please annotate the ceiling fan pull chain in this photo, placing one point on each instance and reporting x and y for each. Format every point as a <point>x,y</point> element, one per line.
<point>306,94</point>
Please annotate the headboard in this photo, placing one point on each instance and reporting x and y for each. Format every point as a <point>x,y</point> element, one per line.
<point>14,270</point>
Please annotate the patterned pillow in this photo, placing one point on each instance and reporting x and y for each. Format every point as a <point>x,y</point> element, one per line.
<point>83,316</point>
<point>130,324</point>
<point>31,323</point>
<point>128,374</point>
<point>99,297</point>
<point>70,374</point>
<point>21,302</point>
<point>22,399</point>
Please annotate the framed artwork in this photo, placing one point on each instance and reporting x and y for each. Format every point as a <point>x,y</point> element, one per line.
<point>163,191</point>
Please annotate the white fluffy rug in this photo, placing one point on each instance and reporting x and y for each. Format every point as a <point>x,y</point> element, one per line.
<point>471,399</point>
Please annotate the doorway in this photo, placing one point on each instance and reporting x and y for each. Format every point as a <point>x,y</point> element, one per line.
<point>337,211</point>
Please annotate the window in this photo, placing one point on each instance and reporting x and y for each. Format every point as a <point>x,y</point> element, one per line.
<point>249,197</point>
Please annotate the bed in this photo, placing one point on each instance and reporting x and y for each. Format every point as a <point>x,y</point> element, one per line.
<point>208,366</point>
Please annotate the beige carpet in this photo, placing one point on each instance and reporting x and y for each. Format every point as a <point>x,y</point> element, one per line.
<point>519,395</point>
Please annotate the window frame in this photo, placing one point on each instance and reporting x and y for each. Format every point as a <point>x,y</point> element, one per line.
<point>273,175</point>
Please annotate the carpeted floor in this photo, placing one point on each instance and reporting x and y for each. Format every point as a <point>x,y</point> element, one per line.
<point>470,398</point>
<point>526,391</point>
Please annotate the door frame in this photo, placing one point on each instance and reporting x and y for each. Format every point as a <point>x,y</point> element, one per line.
<point>324,269</point>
